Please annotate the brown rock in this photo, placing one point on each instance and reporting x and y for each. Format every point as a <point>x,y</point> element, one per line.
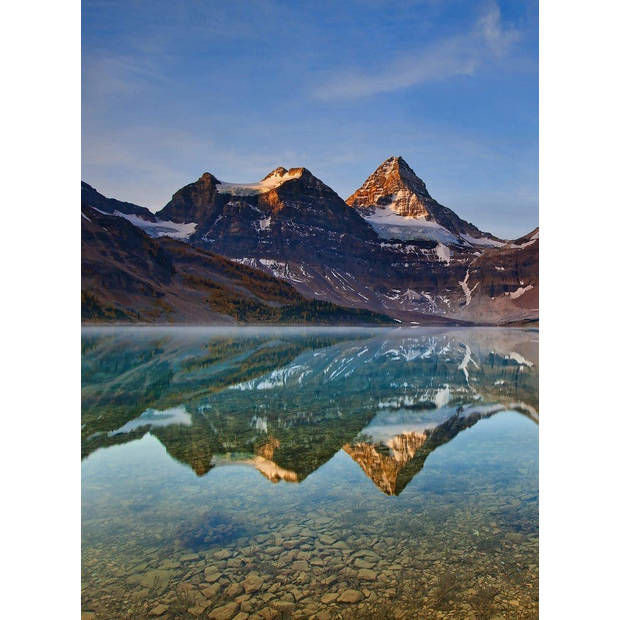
<point>350,596</point>
<point>224,554</point>
<point>368,575</point>
<point>224,612</point>
<point>252,583</point>
<point>210,591</point>
<point>234,589</point>
<point>157,578</point>
<point>212,576</point>
<point>196,610</point>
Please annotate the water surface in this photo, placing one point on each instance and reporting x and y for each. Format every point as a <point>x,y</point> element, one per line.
<point>274,473</point>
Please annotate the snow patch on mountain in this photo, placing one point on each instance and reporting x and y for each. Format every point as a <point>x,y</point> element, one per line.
<point>532,239</point>
<point>160,228</point>
<point>443,253</point>
<point>483,241</point>
<point>264,223</point>
<point>522,289</point>
<point>273,180</point>
<point>468,291</point>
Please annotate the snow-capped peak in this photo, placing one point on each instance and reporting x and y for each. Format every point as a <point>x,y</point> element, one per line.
<point>271,181</point>
<point>396,203</point>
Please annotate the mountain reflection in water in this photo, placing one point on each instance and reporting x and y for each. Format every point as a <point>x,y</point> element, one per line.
<point>285,401</point>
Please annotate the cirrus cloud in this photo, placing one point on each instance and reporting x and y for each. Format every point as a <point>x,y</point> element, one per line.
<point>461,54</point>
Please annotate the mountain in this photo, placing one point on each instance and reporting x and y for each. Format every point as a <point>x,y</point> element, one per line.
<point>390,249</point>
<point>294,227</point>
<point>396,203</point>
<point>129,276</point>
<point>284,202</point>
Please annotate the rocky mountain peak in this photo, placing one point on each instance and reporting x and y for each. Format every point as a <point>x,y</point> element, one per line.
<point>395,201</point>
<point>207,179</point>
<point>191,203</point>
<point>278,172</point>
<point>399,167</point>
<point>395,186</point>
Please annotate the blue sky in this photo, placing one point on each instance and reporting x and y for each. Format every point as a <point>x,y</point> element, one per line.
<point>173,89</point>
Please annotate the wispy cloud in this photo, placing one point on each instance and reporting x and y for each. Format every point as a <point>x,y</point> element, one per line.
<point>462,54</point>
<point>106,75</point>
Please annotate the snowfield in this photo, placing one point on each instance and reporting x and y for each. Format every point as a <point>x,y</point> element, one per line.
<point>390,225</point>
<point>252,189</point>
<point>161,228</point>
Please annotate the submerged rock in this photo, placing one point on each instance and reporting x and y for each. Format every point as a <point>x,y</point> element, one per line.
<point>156,578</point>
<point>252,583</point>
<point>368,575</point>
<point>225,612</point>
<point>350,596</point>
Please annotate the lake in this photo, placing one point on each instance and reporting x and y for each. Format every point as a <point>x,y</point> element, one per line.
<point>309,473</point>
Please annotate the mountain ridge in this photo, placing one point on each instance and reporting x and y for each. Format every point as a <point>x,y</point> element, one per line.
<point>292,226</point>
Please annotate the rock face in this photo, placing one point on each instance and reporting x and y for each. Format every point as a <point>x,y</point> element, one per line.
<point>394,189</point>
<point>396,186</point>
<point>502,283</point>
<point>129,276</point>
<point>195,202</point>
